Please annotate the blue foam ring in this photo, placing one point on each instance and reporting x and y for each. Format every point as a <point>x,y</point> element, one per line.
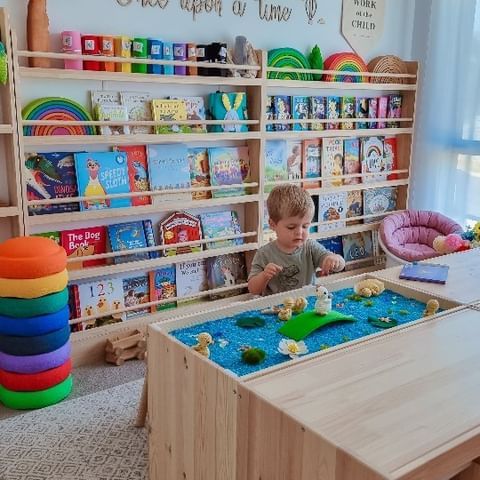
<point>33,326</point>
<point>155,52</point>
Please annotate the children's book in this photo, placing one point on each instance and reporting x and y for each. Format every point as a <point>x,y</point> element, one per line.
<point>228,166</point>
<point>361,111</point>
<point>48,176</point>
<point>138,105</point>
<point>354,205</point>
<point>55,236</point>
<point>109,112</point>
<point>74,308</point>
<point>275,162</point>
<point>332,161</point>
<point>162,287</point>
<point>300,111</point>
<point>318,112</point>
<point>127,236</point>
<point>269,113</point>
<point>333,112</point>
<point>282,111</point>
<point>382,110</point>
<point>228,106</point>
<point>169,170</point>
<point>377,201</point>
<point>102,173</point>
<point>333,244</point>
<point>311,166</point>
<point>294,159</point>
<point>180,227</point>
<point>348,111</point>
<point>372,111</point>
<point>191,279</point>
<point>357,246</point>
<point>170,110</point>
<point>351,160</point>
<point>425,272</point>
<point>373,159</point>
<point>136,290</point>
<point>199,172</point>
<point>137,171</point>
<point>394,109</point>
<point>195,111</point>
<point>332,206</point>
<point>390,152</point>
<point>150,237</point>
<point>221,224</point>
<point>104,97</point>
<point>226,271</point>
<point>81,243</point>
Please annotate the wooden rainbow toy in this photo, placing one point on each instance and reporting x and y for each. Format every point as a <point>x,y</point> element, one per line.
<point>345,62</point>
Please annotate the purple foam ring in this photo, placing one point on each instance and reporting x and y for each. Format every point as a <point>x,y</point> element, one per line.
<point>35,363</point>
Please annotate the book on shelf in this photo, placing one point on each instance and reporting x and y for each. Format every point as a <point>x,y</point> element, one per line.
<point>294,159</point>
<point>169,170</point>
<point>332,161</point>
<point>300,111</point>
<point>191,278</point>
<point>354,205</point>
<point>372,111</point>
<point>195,111</point>
<point>136,290</point>
<point>84,242</point>
<point>425,272</point>
<point>357,246</point>
<point>127,236</point>
<point>162,286</point>
<point>180,227</point>
<point>351,160</point>
<point>332,206</point>
<point>199,172</point>
<point>221,224</point>
<point>312,166</point>
<point>282,110</point>
<point>110,113</point>
<point>378,201</point>
<point>269,113</point>
<point>102,173</point>
<point>348,111</point>
<point>373,159</point>
<point>318,111</point>
<point>333,112</point>
<point>394,109</point>
<point>55,236</point>
<point>104,97</point>
<point>228,106</point>
<point>164,109</point>
<point>150,238</point>
<point>391,159</point>
<point>226,271</point>
<point>333,244</point>
<point>49,176</point>
<point>275,162</point>
<point>138,105</point>
<point>74,308</point>
<point>382,110</point>
<point>361,111</point>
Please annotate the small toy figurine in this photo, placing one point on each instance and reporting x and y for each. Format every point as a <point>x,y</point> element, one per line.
<point>204,340</point>
<point>289,302</point>
<point>431,308</point>
<point>369,287</point>
<point>285,314</point>
<point>323,305</point>
<point>300,305</point>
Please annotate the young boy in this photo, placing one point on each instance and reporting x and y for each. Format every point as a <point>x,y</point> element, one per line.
<point>290,261</point>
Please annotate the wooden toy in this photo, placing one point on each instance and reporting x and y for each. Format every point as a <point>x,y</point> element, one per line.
<point>125,347</point>
<point>38,36</point>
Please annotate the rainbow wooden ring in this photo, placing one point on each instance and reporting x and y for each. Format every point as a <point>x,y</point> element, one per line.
<point>35,287</point>
<point>39,399</point>
<point>30,307</point>
<point>31,382</point>
<point>31,257</point>
<point>21,346</point>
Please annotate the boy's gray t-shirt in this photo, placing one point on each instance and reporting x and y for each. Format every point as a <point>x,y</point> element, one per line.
<point>298,267</point>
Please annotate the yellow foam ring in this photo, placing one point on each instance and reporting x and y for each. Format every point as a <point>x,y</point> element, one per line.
<point>35,287</point>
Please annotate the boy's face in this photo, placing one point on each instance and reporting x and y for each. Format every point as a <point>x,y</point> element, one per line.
<point>292,232</point>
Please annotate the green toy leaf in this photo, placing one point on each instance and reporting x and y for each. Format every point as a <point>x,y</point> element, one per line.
<point>250,322</point>
<point>316,61</point>
<point>379,323</point>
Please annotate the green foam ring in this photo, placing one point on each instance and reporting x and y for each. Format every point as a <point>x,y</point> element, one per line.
<point>32,307</point>
<point>288,58</point>
<point>38,399</point>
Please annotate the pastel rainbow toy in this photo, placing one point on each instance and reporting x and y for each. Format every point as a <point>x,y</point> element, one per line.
<point>288,58</point>
<point>345,62</point>
<point>56,108</point>
<point>35,365</point>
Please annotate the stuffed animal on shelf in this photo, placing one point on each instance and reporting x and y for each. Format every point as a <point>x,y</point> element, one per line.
<point>204,340</point>
<point>431,308</point>
<point>369,287</point>
<point>323,304</point>
<point>38,36</point>
<point>450,244</point>
<point>243,53</point>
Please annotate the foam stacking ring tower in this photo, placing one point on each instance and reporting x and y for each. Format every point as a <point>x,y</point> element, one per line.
<point>35,365</point>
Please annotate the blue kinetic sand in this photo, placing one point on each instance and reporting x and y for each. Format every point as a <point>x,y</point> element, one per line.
<point>230,340</point>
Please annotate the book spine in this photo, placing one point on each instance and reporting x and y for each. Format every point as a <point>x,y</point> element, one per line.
<point>149,235</point>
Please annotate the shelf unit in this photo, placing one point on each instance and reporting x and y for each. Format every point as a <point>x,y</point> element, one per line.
<point>251,204</point>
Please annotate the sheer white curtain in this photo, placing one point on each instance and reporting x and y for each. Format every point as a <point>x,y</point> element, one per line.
<point>446,165</point>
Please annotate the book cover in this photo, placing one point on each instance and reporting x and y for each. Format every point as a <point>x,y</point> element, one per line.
<point>275,162</point>
<point>109,112</point>
<point>226,271</point>
<point>104,97</point>
<point>361,111</point>
<point>180,227</point>
<point>137,172</point>
<point>162,287</point>
<point>372,111</point>
<point>332,161</point>
<point>282,111</point>
<point>74,308</point>
<point>229,166</point>
<point>269,113</point>
<point>150,237</point>
<point>199,172</point>
<point>377,201</point>
<point>195,111</point>
<point>333,244</point>
<point>394,109</point>
<point>138,105</point>
<point>382,110</point>
<point>55,236</point>
<point>390,152</point>
<point>425,272</point>
<point>318,111</point>
<point>332,206</point>
<point>228,106</point>
<point>351,160</point>
<point>348,111</point>
<point>48,176</point>
<point>300,111</point>
<point>127,236</point>
<point>169,170</point>
<point>311,167</point>
<point>294,159</point>
<point>221,224</point>
<point>373,159</point>
<point>357,246</point>
<point>81,243</point>
<point>333,112</point>
<point>170,110</point>
<point>136,290</point>
<point>102,173</point>
<point>354,205</point>
<point>191,279</point>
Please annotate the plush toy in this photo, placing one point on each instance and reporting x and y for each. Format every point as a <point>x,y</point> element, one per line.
<point>431,308</point>
<point>38,36</point>
<point>450,243</point>
<point>204,340</point>
<point>369,287</point>
<point>243,53</point>
<point>285,314</point>
<point>323,305</point>
<point>300,305</point>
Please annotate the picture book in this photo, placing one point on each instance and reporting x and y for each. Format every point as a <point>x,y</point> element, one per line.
<point>372,111</point>
<point>162,287</point>
<point>137,172</point>
<point>357,246</point>
<point>228,106</point>
<point>169,170</point>
<point>394,109</point>
<point>332,161</point>
<point>333,244</point>
<point>127,236</point>
<point>275,162</point>
<point>425,272</point>
<point>104,296</point>
<point>199,172</point>
<point>294,159</point>
<point>354,205</point>
<point>55,236</point>
<point>150,237</point>
<point>390,151</point>
<point>195,111</point>
<point>351,160</point>
<point>318,112</point>
<point>300,111</point>
<point>348,111</point>
<point>191,278</point>
<point>373,160</point>
<point>228,166</point>
<point>170,110</point>
<point>136,290</point>
<point>311,165</point>
<point>104,97</point>
<point>269,113</point>
<point>74,308</point>
<point>226,271</point>
<point>282,111</point>
<point>361,111</point>
<point>81,243</point>
<point>99,174</point>
<point>138,105</point>
<point>109,113</point>
<point>382,110</point>
<point>333,112</point>
<point>332,206</point>
<point>377,201</point>
<point>180,227</point>
<point>221,224</point>
<point>48,176</point>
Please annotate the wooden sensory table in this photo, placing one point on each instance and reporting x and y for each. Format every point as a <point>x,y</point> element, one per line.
<point>206,423</point>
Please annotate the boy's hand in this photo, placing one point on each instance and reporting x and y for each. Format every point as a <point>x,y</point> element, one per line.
<point>271,270</point>
<point>332,263</point>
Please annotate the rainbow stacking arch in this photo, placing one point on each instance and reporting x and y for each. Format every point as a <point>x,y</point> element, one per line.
<point>56,108</point>
<point>345,62</point>
<point>288,58</point>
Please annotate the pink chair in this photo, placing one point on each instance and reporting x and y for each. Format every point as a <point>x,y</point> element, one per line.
<point>408,236</point>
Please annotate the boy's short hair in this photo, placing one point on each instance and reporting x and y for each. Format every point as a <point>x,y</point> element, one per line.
<point>288,201</point>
